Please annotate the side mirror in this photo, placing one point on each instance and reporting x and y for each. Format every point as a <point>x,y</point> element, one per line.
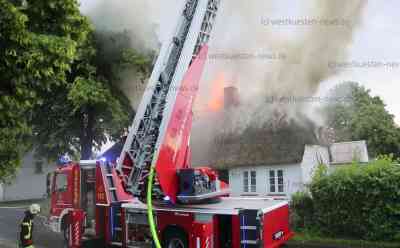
<point>49,179</point>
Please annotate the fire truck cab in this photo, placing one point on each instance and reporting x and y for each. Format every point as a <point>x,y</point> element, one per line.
<point>73,186</point>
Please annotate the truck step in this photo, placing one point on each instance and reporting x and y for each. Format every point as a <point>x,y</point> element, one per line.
<point>139,245</point>
<point>116,244</point>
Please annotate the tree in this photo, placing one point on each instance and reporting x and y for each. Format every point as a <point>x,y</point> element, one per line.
<point>360,116</point>
<point>30,63</point>
<point>90,109</point>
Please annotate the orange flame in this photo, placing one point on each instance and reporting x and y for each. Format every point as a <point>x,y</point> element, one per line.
<point>216,103</point>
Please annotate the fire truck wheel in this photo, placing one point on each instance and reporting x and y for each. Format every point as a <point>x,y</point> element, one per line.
<point>175,238</point>
<point>66,233</point>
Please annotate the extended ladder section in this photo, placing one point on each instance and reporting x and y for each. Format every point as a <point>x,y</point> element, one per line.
<point>110,184</point>
<point>140,149</point>
<point>110,194</point>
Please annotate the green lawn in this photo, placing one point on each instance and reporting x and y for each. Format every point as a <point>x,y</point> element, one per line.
<point>307,240</point>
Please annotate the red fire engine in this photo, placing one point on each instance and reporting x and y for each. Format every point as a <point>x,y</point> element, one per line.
<point>102,202</point>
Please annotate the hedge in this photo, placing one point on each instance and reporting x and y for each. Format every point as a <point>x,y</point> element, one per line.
<point>354,201</point>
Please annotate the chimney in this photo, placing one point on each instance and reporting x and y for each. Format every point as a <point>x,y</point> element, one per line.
<point>231,97</point>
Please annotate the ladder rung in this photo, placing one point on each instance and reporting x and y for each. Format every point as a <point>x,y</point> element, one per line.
<point>205,33</point>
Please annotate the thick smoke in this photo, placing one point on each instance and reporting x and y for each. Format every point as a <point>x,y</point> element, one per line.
<point>277,53</point>
<point>143,19</point>
<point>274,51</point>
<point>276,56</point>
<point>266,59</point>
<point>147,23</point>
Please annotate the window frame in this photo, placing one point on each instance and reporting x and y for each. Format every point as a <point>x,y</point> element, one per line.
<point>245,182</point>
<point>276,182</point>
<point>249,181</point>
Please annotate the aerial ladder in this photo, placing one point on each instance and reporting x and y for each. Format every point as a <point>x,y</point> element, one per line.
<point>142,146</point>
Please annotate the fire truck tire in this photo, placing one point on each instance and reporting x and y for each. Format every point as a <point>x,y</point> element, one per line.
<point>175,238</point>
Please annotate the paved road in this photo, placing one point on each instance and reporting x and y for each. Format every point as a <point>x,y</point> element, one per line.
<point>10,218</point>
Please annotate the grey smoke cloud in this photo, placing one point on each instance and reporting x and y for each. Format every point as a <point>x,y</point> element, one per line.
<point>307,34</point>
<point>308,38</point>
<point>147,22</point>
<point>303,36</point>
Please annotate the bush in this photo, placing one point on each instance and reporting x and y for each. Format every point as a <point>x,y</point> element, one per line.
<point>355,201</point>
<point>302,210</point>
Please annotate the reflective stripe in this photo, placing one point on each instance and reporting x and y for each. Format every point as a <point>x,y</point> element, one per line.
<point>249,242</point>
<point>29,225</point>
<point>248,228</point>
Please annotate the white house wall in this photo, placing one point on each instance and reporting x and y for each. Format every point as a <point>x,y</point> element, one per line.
<point>296,176</point>
<point>347,152</point>
<point>28,184</point>
<point>1,192</point>
<point>312,157</point>
<point>292,180</point>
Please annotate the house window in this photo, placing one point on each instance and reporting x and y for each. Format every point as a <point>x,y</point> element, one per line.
<point>38,167</point>
<point>276,181</point>
<point>249,181</point>
<point>253,181</point>
<point>245,181</point>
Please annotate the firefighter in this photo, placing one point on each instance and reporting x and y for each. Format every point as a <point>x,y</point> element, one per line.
<point>26,234</point>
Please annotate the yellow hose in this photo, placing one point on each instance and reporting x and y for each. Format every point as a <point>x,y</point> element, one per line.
<point>150,216</point>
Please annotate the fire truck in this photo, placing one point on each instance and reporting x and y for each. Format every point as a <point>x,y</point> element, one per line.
<point>152,196</point>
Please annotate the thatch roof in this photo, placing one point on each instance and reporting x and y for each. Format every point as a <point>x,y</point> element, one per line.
<point>264,145</point>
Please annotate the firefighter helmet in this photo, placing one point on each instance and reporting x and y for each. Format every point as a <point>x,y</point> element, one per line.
<point>34,208</point>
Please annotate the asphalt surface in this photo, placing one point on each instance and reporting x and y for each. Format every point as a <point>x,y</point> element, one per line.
<point>10,219</point>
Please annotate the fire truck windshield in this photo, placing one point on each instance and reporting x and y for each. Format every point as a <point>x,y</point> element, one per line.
<point>61,182</point>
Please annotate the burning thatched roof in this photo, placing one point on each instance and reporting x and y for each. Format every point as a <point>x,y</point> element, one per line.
<point>264,146</point>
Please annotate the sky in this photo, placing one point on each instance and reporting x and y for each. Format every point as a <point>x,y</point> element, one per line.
<point>376,40</point>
